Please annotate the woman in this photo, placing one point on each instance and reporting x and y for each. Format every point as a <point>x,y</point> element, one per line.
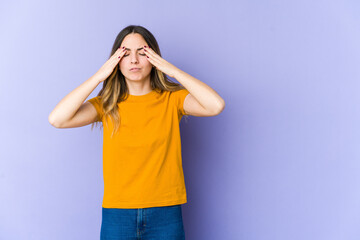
<point>140,110</point>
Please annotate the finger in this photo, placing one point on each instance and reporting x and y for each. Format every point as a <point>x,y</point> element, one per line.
<point>122,53</point>
<point>152,61</point>
<point>152,53</point>
<point>117,56</point>
<point>118,50</point>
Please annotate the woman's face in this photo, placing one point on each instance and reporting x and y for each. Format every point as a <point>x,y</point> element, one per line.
<point>134,57</point>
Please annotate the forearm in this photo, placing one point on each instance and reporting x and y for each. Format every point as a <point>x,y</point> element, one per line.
<point>204,94</point>
<point>71,103</point>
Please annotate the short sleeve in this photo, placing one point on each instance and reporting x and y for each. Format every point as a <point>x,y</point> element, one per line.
<point>96,103</point>
<point>180,96</point>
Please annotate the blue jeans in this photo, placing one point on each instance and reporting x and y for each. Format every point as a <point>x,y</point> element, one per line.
<point>155,223</point>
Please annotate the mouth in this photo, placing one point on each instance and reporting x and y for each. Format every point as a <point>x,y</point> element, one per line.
<point>134,69</point>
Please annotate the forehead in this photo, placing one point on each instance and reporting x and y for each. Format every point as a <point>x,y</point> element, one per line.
<point>133,41</point>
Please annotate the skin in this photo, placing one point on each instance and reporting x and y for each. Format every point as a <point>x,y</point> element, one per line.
<point>202,100</point>
<point>137,82</point>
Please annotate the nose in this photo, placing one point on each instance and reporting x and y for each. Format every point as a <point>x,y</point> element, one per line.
<point>134,58</point>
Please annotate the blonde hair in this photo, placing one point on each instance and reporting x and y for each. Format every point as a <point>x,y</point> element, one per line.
<point>114,89</point>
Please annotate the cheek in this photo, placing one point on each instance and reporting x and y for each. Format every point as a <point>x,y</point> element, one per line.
<point>146,63</point>
<point>122,64</point>
<point>122,67</point>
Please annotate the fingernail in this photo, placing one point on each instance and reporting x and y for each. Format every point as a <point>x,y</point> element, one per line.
<point>118,56</point>
<point>123,47</point>
<point>147,56</point>
<point>145,46</point>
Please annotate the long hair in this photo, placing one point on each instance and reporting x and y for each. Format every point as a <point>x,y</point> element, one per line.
<point>114,89</point>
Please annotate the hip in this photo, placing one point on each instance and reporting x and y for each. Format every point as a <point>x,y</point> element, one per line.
<point>165,222</point>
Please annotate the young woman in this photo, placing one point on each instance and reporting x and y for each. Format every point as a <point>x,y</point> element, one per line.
<point>140,110</point>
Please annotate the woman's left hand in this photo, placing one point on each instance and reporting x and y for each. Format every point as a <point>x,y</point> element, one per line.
<point>159,62</point>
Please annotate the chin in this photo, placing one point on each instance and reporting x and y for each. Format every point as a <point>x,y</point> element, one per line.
<point>132,78</point>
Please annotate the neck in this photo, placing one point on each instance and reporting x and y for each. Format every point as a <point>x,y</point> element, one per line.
<point>139,87</point>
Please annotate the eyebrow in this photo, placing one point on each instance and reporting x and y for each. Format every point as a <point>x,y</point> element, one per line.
<point>130,49</point>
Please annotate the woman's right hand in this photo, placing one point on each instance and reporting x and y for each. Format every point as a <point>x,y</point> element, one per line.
<point>106,69</point>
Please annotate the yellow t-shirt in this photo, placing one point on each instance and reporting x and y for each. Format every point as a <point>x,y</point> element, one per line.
<point>142,163</point>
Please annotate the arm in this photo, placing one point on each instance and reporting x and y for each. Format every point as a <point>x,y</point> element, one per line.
<point>65,112</point>
<point>202,100</point>
<point>66,109</point>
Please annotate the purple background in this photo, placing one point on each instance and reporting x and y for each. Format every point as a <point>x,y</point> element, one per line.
<point>281,162</point>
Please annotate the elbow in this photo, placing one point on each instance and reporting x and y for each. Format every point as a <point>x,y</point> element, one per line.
<point>52,121</point>
<point>220,108</point>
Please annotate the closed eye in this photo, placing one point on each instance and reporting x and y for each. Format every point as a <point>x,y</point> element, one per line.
<point>139,53</point>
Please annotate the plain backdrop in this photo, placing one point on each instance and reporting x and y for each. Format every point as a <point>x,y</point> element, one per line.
<point>281,161</point>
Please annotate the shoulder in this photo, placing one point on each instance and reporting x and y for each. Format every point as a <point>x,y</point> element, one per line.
<point>179,93</point>
<point>94,100</point>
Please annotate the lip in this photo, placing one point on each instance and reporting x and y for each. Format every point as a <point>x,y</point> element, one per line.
<point>135,69</point>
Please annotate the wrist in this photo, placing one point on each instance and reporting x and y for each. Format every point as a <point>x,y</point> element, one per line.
<point>95,79</point>
<point>177,73</point>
